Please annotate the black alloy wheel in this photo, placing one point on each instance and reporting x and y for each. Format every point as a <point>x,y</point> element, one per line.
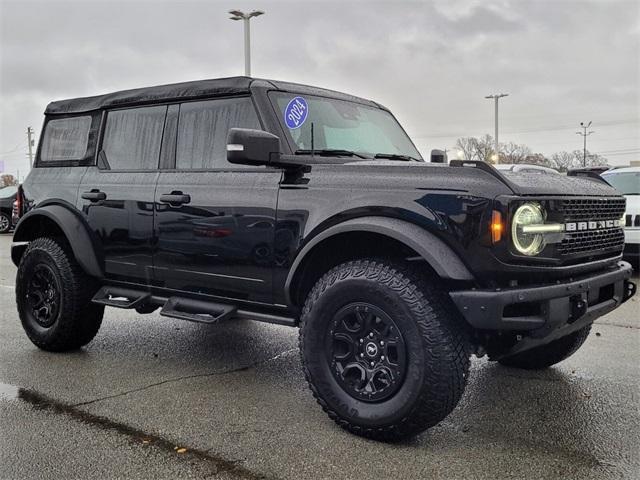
<point>366,352</point>
<point>43,296</point>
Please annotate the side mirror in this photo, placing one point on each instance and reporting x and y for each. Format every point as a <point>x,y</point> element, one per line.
<point>252,147</point>
<point>438,156</point>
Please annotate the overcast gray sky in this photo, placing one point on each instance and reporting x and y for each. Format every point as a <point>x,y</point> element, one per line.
<point>431,62</point>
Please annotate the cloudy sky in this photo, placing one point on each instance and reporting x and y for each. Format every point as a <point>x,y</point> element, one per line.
<point>431,62</point>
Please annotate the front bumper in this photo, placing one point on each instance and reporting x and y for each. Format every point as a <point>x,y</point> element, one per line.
<point>542,310</point>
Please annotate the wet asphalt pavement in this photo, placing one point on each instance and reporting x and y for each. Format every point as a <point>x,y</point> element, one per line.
<point>151,397</point>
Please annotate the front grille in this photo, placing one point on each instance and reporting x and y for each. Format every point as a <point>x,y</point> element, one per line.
<point>589,242</point>
<point>574,210</point>
<point>592,241</point>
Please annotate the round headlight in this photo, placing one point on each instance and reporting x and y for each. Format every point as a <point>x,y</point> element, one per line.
<point>527,243</point>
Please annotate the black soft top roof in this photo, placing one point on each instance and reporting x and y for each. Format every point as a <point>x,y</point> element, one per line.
<point>184,90</point>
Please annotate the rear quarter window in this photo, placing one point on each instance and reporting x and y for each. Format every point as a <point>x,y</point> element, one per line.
<point>65,139</point>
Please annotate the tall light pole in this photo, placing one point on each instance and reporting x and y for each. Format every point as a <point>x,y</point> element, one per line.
<point>245,17</point>
<point>585,134</point>
<point>30,143</point>
<point>496,97</point>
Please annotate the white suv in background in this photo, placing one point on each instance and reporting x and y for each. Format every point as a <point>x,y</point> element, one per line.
<point>627,181</point>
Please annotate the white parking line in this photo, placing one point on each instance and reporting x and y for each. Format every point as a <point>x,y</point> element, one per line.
<point>7,286</point>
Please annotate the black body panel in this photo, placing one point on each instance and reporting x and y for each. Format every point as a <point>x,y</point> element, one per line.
<point>122,220</point>
<point>220,242</point>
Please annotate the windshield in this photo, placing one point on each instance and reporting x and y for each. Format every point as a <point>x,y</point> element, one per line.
<point>341,125</point>
<point>6,192</point>
<point>627,183</point>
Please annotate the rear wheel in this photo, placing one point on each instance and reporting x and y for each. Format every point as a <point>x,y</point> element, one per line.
<point>547,355</point>
<point>382,350</point>
<point>53,295</point>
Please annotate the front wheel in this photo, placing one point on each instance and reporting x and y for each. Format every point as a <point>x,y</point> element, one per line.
<point>382,349</point>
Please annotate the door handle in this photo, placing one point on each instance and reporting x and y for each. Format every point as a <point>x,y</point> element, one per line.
<point>175,198</point>
<point>94,195</point>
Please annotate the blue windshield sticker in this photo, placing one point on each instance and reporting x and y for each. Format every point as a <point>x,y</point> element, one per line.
<point>296,113</point>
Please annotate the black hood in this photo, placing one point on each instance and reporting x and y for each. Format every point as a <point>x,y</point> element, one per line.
<point>550,184</point>
<point>474,178</point>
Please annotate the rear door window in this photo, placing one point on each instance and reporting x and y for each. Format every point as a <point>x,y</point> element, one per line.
<point>132,138</point>
<point>65,139</point>
<point>203,129</point>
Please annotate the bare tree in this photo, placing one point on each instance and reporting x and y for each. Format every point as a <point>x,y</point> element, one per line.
<point>473,148</point>
<point>563,160</point>
<point>514,153</point>
<point>483,147</point>
<point>7,180</point>
<point>567,160</point>
<point>466,147</point>
<point>593,159</point>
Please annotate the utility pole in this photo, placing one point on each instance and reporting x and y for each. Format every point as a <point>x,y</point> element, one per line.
<point>496,97</point>
<point>30,144</point>
<point>585,134</point>
<point>246,17</point>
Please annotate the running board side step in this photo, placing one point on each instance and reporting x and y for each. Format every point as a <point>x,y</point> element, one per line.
<point>197,310</point>
<point>120,297</point>
<point>200,311</point>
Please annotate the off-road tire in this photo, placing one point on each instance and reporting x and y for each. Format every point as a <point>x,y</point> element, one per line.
<point>5,222</point>
<point>547,355</point>
<point>437,348</point>
<point>77,320</point>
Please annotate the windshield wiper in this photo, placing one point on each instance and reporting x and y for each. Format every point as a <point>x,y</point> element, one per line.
<point>330,152</point>
<point>396,156</point>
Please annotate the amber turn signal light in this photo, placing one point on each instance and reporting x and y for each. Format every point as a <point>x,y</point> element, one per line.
<point>497,227</point>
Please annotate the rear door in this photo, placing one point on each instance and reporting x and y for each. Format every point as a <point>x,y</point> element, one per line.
<point>215,221</point>
<point>117,195</point>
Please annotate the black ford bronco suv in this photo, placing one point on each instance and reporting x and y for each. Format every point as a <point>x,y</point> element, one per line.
<point>290,204</point>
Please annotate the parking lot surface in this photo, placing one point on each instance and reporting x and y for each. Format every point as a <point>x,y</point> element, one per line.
<point>151,397</point>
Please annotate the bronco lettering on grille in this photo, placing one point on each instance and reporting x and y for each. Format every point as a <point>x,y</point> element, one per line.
<point>592,225</point>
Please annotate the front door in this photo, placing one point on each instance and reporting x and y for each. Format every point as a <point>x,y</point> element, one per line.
<point>215,221</point>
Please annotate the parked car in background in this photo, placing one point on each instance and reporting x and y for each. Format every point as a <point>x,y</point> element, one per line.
<point>7,197</point>
<point>597,169</point>
<point>525,168</point>
<point>627,181</point>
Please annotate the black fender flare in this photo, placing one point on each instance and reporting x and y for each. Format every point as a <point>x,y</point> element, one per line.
<point>435,252</point>
<point>74,228</point>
